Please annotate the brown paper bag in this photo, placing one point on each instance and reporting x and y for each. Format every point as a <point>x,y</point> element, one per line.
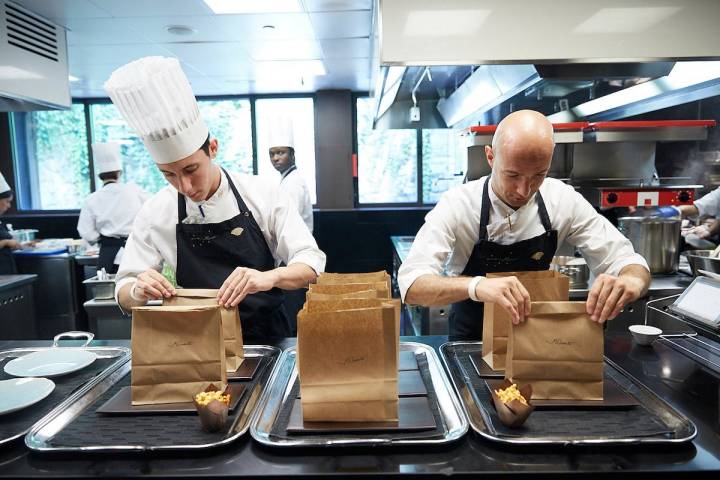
<point>382,288</point>
<point>543,285</point>
<point>327,296</point>
<point>368,277</point>
<point>232,330</point>
<point>558,350</point>
<point>336,303</point>
<point>176,353</point>
<point>347,363</point>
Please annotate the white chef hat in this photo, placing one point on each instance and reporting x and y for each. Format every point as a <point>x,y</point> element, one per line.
<point>106,157</point>
<point>4,186</point>
<point>281,133</point>
<point>155,99</point>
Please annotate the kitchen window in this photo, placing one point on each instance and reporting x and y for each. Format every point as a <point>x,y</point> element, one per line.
<point>444,162</point>
<point>389,160</point>
<point>301,112</point>
<point>51,158</point>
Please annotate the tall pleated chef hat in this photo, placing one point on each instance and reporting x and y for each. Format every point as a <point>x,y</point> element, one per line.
<point>281,133</point>
<point>106,157</point>
<point>155,99</point>
<point>4,186</point>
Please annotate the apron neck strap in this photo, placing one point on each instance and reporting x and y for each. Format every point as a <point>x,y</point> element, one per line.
<point>485,210</point>
<point>182,208</point>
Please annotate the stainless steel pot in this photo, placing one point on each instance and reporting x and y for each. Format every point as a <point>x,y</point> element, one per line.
<point>656,239</point>
<point>701,260</point>
<point>574,267</point>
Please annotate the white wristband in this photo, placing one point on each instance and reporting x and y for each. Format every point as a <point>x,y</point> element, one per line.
<point>132,293</point>
<point>472,286</point>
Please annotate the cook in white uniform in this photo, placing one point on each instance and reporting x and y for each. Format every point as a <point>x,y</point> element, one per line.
<point>216,229</point>
<point>7,242</point>
<point>108,213</point>
<point>282,157</point>
<point>514,220</point>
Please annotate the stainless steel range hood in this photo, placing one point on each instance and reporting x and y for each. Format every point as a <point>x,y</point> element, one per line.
<point>551,56</point>
<point>33,61</point>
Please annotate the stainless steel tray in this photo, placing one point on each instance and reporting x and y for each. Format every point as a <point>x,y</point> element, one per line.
<point>121,354</point>
<point>681,428</point>
<point>281,385</point>
<point>40,437</point>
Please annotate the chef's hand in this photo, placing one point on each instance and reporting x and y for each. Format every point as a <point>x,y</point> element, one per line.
<point>11,244</point>
<point>610,294</point>
<point>243,282</point>
<point>507,292</point>
<point>151,285</point>
<point>701,231</point>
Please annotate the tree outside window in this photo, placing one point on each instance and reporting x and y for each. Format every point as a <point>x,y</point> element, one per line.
<point>387,160</point>
<point>444,154</point>
<point>227,120</point>
<point>55,162</point>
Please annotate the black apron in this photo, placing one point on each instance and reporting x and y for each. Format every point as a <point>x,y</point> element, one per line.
<point>466,317</point>
<point>7,261</point>
<point>207,253</point>
<point>109,247</point>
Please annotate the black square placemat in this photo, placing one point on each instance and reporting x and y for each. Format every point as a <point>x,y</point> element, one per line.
<point>279,429</point>
<point>92,428</point>
<point>602,424</point>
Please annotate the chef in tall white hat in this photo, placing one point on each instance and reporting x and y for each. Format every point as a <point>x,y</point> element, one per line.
<point>7,243</point>
<point>281,144</point>
<point>215,229</point>
<point>281,149</point>
<point>108,213</point>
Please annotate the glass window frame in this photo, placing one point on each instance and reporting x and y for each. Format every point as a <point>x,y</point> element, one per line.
<point>418,203</point>
<point>87,102</point>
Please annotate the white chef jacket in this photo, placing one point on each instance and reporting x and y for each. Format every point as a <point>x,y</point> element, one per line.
<point>294,184</point>
<point>709,204</point>
<point>451,230</point>
<point>153,241</point>
<point>110,211</point>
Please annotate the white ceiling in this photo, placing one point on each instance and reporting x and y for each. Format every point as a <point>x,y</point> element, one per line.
<point>227,54</point>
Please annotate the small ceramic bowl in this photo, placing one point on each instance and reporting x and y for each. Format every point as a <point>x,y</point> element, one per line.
<point>644,334</point>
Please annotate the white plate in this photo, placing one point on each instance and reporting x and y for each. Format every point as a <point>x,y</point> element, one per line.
<point>18,393</point>
<point>50,363</point>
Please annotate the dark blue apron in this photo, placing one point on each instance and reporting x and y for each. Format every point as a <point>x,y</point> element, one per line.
<point>7,261</point>
<point>109,247</point>
<point>208,252</point>
<point>466,317</point>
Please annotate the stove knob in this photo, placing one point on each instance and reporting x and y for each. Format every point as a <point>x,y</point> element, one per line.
<point>684,196</point>
<point>612,197</point>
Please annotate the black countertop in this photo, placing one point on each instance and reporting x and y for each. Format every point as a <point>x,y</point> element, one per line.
<point>12,281</point>
<point>687,386</point>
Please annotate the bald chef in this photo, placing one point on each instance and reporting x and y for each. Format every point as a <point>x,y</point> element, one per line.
<point>214,228</point>
<point>514,220</point>
<point>108,213</point>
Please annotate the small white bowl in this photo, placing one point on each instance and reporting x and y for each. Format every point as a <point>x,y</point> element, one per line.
<point>644,334</point>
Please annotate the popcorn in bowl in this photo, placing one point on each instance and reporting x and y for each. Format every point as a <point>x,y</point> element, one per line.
<point>512,403</point>
<point>212,406</point>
